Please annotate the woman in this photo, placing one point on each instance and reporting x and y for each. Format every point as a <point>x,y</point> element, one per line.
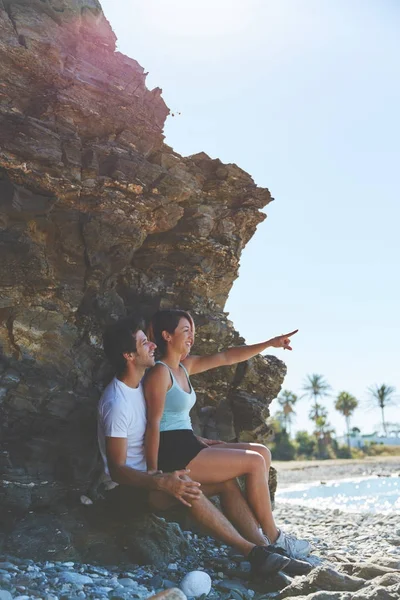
<point>170,441</point>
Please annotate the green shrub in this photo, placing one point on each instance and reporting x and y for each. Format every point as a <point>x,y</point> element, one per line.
<point>343,452</point>
<point>283,450</point>
<point>374,449</point>
<point>306,444</point>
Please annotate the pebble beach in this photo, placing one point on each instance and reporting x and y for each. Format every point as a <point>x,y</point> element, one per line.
<point>356,556</point>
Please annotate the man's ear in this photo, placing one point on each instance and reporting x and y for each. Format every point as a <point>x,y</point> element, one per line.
<point>129,356</point>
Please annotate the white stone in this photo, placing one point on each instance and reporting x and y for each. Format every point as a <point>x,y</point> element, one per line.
<point>127,582</point>
<point>86,500</point>
<point>196,583</point>
<point>76,578</point>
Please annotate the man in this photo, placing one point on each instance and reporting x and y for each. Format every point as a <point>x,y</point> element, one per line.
<point>121,429</point>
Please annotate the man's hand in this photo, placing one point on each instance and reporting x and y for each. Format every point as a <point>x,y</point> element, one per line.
<point>179,485</point>
<point>282,341</point>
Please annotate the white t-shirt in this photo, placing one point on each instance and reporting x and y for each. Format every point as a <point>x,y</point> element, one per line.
<point>122,413</point>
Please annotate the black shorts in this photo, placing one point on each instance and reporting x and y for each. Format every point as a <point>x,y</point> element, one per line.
<point>127,500</point>
<point>177,449</point>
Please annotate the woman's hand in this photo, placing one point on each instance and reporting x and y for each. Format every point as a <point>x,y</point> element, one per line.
<point>282,341</point>
<point>208,442</point>
<point>154,472</point>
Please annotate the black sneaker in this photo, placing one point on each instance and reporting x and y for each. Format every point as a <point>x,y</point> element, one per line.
<point>295,566</point>
<point>264,562</point>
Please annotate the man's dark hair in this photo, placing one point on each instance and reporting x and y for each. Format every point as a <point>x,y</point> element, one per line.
<point>119,338</point>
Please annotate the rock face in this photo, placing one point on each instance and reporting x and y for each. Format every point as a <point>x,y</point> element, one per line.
<point>100,218</point>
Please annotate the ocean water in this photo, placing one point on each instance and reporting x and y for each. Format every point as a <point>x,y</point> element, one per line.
<point>364,494</point>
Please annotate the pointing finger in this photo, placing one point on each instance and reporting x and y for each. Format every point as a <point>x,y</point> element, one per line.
<point>290,334</point>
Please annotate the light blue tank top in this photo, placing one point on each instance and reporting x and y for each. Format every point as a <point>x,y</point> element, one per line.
<point>177,404</point>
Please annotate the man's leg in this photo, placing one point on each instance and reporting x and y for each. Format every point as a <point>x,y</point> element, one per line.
<point>234,506</point>
<point>210,518</point>
<point>239,514</point>
<point>264,563</point>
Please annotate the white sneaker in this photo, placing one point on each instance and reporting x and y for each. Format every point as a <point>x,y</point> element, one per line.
<point>294,547</point>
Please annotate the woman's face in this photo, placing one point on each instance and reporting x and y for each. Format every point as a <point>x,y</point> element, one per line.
<point>183,337</point>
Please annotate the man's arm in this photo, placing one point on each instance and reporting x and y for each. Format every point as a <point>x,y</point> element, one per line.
<point>173,484</point>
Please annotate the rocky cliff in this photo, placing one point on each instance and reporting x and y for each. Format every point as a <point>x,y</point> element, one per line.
<point>99,217</point>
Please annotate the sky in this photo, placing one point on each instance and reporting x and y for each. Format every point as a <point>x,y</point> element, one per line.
<point>304,95</point>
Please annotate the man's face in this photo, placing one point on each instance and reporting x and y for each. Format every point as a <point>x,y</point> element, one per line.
<point>144,350</point>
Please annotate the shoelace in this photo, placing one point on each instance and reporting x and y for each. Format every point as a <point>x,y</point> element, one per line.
<point>290,537</point>
<point>266,538</point>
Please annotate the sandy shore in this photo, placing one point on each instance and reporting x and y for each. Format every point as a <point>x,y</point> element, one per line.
<point>290,472</point>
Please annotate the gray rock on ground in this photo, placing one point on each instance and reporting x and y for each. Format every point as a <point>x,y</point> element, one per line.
<point>378,593</point>
<point>366,570</point>
<point>171,594</point>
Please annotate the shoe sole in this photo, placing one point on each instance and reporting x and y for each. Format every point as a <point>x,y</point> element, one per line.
<point>297,567</point>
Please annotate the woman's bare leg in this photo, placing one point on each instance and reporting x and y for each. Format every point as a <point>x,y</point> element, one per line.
<point>217,464</point>
<point>236,509</point>
<point>260,448</point>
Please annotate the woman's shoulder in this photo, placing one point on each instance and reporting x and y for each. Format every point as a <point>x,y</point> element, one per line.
<point>159,373</point>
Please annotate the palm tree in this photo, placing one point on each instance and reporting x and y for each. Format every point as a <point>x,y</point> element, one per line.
<point>287,400</point>
<point>319,414</point>
<point>346,404</point>
<point>383,396</point>
<point>316,387</point>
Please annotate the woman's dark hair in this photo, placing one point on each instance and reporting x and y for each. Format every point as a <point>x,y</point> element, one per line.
<point>119,338</point>
<point>165,320</point>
